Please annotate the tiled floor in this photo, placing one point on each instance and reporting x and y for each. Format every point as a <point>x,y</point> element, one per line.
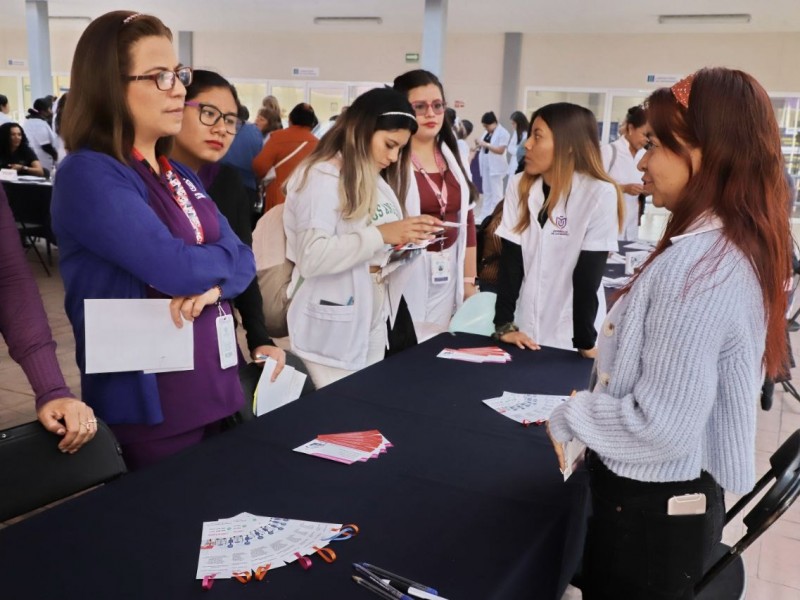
<point>773,562</point>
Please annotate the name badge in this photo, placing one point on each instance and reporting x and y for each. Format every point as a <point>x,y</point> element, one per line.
<point>226,339</point>
<point>440,269</point>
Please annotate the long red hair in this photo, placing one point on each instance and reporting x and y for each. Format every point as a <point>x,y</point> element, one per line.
<point>741,179</point>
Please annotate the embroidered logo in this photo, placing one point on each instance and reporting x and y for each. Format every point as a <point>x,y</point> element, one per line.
<point>560,228</point>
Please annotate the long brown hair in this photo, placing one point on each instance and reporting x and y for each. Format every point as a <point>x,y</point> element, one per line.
<point>380,109</point>
<point>576,147</point>
<point>420,78</point>
<point>741,180</point>
<point>97,115</point>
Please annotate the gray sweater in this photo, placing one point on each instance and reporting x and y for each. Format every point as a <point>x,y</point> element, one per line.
<point>679,370</point>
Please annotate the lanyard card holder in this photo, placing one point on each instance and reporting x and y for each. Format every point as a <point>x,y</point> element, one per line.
<point>226,339</point>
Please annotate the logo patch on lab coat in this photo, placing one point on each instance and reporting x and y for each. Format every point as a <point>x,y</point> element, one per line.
<point>561,226</point>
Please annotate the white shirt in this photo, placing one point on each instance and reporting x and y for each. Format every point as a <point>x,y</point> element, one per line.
<point>491,163</point>
<point>40,134</point>
<point>586,221</point>
<point>4,118</point>
<point>624,171</point>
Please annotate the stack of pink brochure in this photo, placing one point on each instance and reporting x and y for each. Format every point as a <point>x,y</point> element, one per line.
<point>356,446</point>
<point>490,354</point>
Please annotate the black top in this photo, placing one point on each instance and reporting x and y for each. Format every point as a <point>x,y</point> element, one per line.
<point>21,156</point>
<point>586,278</point>
<point>230,196</point>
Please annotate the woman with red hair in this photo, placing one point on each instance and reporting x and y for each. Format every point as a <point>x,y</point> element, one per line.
<point>670,420</point>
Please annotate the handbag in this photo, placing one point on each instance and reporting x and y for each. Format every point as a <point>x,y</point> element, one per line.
<point>272,174</point>
<point>273,270</point>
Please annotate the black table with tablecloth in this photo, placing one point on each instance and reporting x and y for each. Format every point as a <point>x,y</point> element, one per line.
<point>467,501</point>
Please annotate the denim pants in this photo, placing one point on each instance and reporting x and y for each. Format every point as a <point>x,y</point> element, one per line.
<point>634,549</point>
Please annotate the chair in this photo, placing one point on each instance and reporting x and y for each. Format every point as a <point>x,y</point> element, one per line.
<point>34,472</point>
<point>725,579</point>
<point>476,315</point>
<point>30,205</point>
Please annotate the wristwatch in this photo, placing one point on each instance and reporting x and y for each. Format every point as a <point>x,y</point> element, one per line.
<point>501,330</point>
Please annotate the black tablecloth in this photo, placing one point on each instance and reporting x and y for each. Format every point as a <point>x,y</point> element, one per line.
<point>467,501</point>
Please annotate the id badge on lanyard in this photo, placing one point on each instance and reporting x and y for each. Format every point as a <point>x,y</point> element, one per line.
<point>440,267</point>
<point>440,261</point>
<point>226,339</point>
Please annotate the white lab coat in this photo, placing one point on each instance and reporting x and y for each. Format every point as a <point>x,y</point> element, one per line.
<point>334,335</point>
<point>494,168</point>
<point>624,171</point>
<point>39,134</point>
<point>419,281</point>
<point>491,163</point>
<point>587,221</point>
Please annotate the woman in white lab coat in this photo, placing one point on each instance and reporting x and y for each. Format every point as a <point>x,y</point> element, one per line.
<point>560,219</point>
<point>620,159</point>
<point>493,162</point>
<point>438,186</point>
<point>342,218</point>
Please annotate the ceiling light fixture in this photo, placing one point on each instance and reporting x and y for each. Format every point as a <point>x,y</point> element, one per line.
<point>69,18</point>
<point>721,18</point>
<point>347,20</point>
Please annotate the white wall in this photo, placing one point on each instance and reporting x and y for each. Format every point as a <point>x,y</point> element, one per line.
<point>473,66</point>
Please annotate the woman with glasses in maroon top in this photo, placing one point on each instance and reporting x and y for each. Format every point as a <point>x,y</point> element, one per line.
<point>133,225</point>
<point>439,186</point>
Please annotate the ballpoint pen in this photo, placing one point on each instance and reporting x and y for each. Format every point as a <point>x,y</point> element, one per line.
<point>365,583</point>
<point>389,575</point>
<point>389,590</point>
<point>411,590</point>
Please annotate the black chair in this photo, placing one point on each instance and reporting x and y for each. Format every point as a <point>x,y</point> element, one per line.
<point>34,472</point>
<point>725,579</point>
<point>30,205</point>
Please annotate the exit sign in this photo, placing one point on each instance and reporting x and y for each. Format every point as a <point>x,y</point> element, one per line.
<point>412,57</point>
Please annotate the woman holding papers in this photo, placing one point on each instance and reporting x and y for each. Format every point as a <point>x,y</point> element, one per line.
<point>670,420</point>
<point>341,220</point>
<point>560,220</point>
<point>133,225</point>
<point>210,123</point>
<point>438,186</point>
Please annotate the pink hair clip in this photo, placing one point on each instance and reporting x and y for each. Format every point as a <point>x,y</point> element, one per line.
<point>131,18</point>
<point>682,89</point>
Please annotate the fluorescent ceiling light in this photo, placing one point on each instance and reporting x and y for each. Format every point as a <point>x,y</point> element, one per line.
<point>705,18</point>
<point>347,20</point>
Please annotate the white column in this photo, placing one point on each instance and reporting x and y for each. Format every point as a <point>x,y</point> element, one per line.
<point>434,32</point>
<point>509,88</point>
<point>186,47</point>
<point>41,74</point>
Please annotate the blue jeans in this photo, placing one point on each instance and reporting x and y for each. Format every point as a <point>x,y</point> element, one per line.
<point>634,550</point>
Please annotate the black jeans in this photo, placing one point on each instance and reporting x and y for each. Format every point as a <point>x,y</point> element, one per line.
<point>634,550</point>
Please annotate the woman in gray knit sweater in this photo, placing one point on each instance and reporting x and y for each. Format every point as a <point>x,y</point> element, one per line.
<point>683,353</point>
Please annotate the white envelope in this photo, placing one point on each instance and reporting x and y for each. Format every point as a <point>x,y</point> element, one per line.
<point>274,394</point>
<point>135,335</point>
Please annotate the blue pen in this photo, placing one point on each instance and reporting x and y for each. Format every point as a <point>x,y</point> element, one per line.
<point>389,575</point>
<point>351,301</point>
<point>389,590</point>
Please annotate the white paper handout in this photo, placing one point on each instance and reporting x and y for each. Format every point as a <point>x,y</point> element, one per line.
<point>633,260</point>
<point>274,394</point>
<point>248,542</point>
<point>526,408</point>
<point>639,246</point>
<point>135,335</point>
<point>573,457</point>
<point>614,282</point>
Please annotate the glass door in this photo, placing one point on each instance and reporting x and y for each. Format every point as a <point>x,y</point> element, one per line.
<point>289,95</point>
<point>327,99</point>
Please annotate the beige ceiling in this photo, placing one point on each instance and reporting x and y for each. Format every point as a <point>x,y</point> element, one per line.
<point>464,16</point>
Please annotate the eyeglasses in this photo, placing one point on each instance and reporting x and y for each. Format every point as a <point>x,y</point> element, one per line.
<point>210,116</point>
<point>421,108</point>
<point>165,80</point>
